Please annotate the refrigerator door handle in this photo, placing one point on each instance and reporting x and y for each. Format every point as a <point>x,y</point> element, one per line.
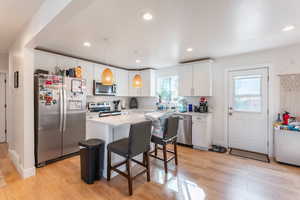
<point>65,109</point>
<point>61,106</point>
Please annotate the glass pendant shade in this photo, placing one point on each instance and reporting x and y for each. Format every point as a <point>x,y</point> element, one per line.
<point>107,77</point>
<point>137,81</point>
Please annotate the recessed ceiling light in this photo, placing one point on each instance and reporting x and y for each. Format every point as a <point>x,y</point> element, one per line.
<point>288,28</point>
<point>87,44</point>
<point>147,16</point>
<point>138,61</point>
<point>189,49</point>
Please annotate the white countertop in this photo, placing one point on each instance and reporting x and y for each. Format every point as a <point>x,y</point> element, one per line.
<point>133,116</point>
<point>118,120</point>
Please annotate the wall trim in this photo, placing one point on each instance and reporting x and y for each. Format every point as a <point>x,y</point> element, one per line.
<point>24,173</point>
<point>89,60</point>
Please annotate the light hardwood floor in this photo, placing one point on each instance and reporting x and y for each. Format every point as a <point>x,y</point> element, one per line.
<point>200,175</point>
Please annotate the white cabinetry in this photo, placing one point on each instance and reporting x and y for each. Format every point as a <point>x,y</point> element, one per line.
<point>195,79</point>
<point>135,92</point>
<point>122,82</point>
<point>185,87</point>
<point>45,61</point>
<point>148,78</point>
<point>202,79</point>
<point>64,62</point>
<point>98,69</point>
<point>148,81</point>
<point>201,131</point>
<point>88,75</point>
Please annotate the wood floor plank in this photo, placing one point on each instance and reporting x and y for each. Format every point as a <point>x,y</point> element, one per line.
<point>200,175</point>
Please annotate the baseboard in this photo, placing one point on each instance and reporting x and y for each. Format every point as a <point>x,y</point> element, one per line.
<point>24,173</point>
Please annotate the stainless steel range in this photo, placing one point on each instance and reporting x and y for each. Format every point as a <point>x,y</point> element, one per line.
<point>103,108</point>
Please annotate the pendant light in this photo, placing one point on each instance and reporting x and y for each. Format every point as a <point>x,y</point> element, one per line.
<point>107,75</point>
<point>137,81</point>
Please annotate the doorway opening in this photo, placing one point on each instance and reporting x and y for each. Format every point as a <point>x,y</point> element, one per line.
<point>3,106</point>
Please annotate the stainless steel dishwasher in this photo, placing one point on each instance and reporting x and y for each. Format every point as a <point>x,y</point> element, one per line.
<point>185,129</point>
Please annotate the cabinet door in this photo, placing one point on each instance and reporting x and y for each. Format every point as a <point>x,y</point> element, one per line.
<point>135,92</point>
<point>98,69</point>
<point>201,138</point>
<point>64,62</point>
<point>45,61</point>
<point>88,75</point>
<point>122,82</point>
<point>185,87</point>
<point>148,78</point>
<point>202,79</point>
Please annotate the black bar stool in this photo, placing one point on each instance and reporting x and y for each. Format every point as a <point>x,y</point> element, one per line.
<point>170,128</point>
<point>137,143</point>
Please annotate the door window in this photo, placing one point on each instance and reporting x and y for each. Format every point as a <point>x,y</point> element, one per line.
<point>247,94</point>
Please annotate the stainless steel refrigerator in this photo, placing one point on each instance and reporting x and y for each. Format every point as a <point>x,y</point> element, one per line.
<point>60,116</point>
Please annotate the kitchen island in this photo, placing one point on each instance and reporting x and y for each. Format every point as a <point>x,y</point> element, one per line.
<point>110,129</point>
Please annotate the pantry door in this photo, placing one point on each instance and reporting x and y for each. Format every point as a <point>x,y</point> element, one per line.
<point>2,108</point>
<point>248,110</point>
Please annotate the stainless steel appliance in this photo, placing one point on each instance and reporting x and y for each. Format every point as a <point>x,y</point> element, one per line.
<point>184,129</point>
<point>104,90</point>
<point>103,108</point>
<point>60,115</point>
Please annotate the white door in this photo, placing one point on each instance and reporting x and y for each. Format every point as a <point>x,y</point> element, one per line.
<point>248,110</point>
<point>2,108</point>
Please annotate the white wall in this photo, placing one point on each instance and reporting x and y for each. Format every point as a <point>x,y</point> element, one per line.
<point>20,100</point>
<point>3,62</point>
<point>281,61</point>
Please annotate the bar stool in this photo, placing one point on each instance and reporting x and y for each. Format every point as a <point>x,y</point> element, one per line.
<point>137,143</point>
<point>169,137</point>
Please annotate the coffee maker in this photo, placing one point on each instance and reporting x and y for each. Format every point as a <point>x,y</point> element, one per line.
<point>203,106</point>
<point>116,105</point>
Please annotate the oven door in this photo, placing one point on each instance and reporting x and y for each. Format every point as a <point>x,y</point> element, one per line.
<point>104,90</point>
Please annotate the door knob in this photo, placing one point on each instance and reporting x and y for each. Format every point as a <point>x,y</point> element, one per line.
<point>230,113</point>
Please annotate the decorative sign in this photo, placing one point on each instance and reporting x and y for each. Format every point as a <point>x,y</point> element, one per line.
<point>76,86</point>
<point>16,79</point>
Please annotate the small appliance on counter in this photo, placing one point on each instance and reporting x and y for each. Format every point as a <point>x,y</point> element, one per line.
<point>133,103</point>
<point>203,106</point>
<point>116,105</point>
<point>182,105</point>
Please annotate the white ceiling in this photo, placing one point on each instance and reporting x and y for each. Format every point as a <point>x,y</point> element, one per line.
<point>213,28</point>
<point>13,16</point>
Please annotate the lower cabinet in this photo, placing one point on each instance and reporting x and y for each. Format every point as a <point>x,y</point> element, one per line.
<point>201,131</point>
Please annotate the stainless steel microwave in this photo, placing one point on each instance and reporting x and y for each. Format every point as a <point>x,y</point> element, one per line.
<point>104,90</point>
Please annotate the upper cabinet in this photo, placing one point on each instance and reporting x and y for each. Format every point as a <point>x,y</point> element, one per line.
<point>148,81</point>
<point>121,77</point>
<point>132,91</point>
<point>88,75</point>
<point>64,62</point>
<point>45,61</point>
<point>98,69</point>
<point>202,79</point>
<point>185,86</point>
<point>195,79</point>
